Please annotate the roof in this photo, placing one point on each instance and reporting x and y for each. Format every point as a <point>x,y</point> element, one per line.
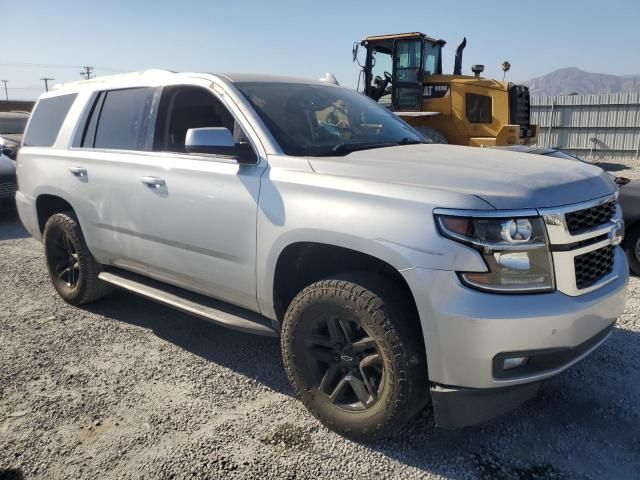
<point>390,37</point>
<point>262,77</point>
<point>158,77</point>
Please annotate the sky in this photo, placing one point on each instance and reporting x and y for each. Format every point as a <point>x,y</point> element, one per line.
<point>305,38</point>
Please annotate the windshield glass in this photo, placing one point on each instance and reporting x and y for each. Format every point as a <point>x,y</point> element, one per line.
<point>320,120</point>
<point>12,125</point>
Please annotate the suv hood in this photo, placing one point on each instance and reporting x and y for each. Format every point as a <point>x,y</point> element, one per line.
<point>506,180</point>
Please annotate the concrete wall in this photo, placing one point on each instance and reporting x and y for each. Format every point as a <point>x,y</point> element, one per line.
<point>590,126</point>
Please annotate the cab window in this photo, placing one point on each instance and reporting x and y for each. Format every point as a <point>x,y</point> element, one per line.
<point>431,58</point>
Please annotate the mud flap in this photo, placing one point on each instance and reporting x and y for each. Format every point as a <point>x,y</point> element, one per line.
<point>462,407</point>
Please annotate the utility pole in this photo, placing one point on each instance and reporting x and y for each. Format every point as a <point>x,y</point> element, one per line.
<point>86,72</point>
<point>6,93</point>
<point>46,83</point>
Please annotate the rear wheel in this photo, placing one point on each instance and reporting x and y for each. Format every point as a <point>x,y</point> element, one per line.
<point>72,268</point>
<point>354,353</point>
<point>632,248</point>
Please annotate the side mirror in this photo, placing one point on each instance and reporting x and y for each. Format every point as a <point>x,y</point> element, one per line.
<point>354,52</point>
<point>218,141</point>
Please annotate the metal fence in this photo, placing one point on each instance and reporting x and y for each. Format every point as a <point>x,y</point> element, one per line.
<point>591,126</point>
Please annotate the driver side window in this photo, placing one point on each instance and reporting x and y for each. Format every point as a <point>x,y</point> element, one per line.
<point>185,106</point>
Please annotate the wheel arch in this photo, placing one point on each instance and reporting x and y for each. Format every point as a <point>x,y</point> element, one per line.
<point>49,204</point>
<point>302,263</point>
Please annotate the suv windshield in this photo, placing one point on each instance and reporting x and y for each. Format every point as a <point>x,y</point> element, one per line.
<point>318,120</point>
<point>12,125</point>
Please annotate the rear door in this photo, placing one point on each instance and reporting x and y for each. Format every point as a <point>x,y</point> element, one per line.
<point>407,74</point>
<point>112,138</point>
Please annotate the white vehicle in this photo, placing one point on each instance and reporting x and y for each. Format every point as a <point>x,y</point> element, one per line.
<point>398,273</point>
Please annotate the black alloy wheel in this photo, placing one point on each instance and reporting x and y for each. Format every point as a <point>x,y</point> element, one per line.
<point>346,362</point>
<point>65,258</point>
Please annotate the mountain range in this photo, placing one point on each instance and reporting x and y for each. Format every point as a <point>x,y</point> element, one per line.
<point>573,80</point>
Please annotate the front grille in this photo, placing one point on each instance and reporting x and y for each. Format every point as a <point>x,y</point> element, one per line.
<point>584,220</point>
<point>7,189</point>
<point>520,108</point>
<point>593,266</point>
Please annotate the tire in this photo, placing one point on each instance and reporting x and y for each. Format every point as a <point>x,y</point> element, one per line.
<point>632,248</point>
<point>340,331</point>
<point>72,268</point>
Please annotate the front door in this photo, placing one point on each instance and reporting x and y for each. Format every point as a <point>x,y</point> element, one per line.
<point>196,214</point>
<point>407,74</point>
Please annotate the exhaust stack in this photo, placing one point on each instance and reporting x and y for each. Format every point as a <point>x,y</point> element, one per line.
<point>457,69</point>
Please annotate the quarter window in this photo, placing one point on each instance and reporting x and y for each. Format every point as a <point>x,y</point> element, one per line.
<point>47,119</point>
<point>479,108</point>
<point>121,120</point>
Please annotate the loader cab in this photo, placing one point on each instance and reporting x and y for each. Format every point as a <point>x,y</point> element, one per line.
<point>395,67</point>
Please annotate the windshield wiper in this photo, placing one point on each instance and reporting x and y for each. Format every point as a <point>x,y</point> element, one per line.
<point>409,141</point>
<point>347,148</point>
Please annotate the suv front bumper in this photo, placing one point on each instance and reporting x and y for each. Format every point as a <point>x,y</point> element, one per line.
<point>468,333</point>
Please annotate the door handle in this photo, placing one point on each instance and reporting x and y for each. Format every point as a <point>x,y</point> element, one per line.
<point>78,171</point>
<point>154,182</point>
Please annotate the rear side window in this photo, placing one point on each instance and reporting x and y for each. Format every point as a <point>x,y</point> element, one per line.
<point>119,119</point>
<point>479,108</point>
<point>47,119</point>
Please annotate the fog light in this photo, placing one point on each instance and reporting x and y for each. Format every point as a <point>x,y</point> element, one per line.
<point>511,363</point>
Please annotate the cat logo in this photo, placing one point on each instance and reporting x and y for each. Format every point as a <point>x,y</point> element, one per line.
<point>436,90</point>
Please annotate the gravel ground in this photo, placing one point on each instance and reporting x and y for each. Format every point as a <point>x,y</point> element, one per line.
<point>126,388</point>
<point>629,168</point>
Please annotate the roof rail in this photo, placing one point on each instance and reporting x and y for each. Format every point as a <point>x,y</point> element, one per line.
<point>118,76</point>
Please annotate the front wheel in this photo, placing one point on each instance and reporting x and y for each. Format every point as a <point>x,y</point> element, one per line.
<point>354,353</point>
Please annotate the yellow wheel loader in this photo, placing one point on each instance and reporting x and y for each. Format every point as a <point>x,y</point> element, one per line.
<point>404,72</point>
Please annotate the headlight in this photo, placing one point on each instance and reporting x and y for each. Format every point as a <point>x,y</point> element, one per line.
<point>514,249</point>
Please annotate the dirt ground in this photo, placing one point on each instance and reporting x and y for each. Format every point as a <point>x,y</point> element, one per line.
<point>126,388</point>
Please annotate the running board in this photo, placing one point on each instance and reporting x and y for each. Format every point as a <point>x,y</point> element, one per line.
<point>196,304</point>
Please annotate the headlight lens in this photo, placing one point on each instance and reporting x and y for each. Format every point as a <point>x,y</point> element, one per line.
<point>514,249</point>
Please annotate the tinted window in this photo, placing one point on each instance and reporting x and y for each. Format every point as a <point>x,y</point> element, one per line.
<point>479,108</point>
<point>86,136</point>
<point>123,119</point>
<point>47,119</point>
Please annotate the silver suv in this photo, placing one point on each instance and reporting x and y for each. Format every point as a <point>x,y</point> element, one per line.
<point>398,273</point>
